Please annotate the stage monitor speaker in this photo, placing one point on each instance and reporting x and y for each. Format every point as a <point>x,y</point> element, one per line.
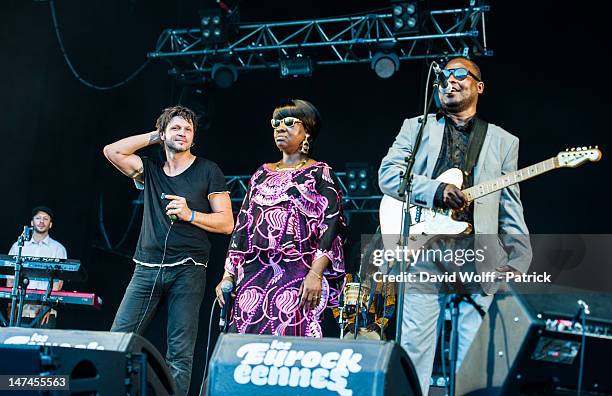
<point>527,345</point>
<point>98,363</point>
<point>268,365</point>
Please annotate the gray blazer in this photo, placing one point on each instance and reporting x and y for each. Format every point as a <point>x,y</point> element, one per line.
<point>497,213</point>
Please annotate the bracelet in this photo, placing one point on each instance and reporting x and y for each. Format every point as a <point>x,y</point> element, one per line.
<point>192,216</point>
<point>317,275</point>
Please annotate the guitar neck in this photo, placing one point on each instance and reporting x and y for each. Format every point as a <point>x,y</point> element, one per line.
<point>504,181</point>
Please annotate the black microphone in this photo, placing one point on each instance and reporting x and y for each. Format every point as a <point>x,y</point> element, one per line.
<point>172,217</point>
<point>27,233</point>
<point>226,287</point>
<point>443,85</point>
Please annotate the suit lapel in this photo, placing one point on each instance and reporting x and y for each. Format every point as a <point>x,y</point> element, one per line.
<point>436,131</point>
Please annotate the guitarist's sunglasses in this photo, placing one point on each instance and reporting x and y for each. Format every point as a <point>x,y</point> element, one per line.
<point>459,73</point>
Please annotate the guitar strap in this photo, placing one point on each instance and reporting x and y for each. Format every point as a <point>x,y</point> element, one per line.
<point>475,145</point>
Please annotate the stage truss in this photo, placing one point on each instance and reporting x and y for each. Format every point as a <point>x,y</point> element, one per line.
<point>445,33</point>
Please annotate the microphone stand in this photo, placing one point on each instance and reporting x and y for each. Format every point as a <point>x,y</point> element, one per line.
<point>455,302</point>
<point>404,192</point>
<point>583,311</point>
<point>45,300</point>
<point>20,282</point>
<point>340,315</point>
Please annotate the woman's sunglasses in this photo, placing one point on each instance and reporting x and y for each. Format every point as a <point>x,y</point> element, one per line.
<point>459,73</point>
<point>288,121</point>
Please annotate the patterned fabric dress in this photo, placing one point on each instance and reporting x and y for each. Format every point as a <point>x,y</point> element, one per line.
<point>288,219</point>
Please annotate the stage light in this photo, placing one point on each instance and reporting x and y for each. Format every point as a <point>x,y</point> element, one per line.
<point>360,179</point>
<point>296,66</point>
<point>385,64</point>
<point>213,27</point>
<point>405,17</point>
<point>224,75</point>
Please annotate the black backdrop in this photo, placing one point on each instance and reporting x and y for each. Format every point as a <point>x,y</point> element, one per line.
<point>541,85</point>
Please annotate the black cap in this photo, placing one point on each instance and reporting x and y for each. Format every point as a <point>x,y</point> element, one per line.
<point>45,209</point>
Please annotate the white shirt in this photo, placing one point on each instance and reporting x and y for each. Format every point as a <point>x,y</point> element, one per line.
<point>47,247</point>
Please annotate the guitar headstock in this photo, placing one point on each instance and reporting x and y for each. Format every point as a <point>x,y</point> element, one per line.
<point>576,156</point>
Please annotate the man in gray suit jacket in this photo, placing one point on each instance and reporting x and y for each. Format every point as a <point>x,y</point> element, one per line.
<point>444,145</point>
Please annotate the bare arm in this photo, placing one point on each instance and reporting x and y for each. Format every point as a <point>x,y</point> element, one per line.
<point>220,220</point>
<point>121,153</point>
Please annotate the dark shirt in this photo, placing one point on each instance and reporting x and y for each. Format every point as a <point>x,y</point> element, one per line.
<point>455,143</point>
<point>186,242</point>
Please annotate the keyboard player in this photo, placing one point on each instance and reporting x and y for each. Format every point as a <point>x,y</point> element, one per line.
<point>41,245</point>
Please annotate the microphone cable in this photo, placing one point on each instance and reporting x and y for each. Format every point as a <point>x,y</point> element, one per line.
<point>161,265</point>
<point>205,376</point>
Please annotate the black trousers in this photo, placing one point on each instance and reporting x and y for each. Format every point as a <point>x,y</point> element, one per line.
<point>182,287</point>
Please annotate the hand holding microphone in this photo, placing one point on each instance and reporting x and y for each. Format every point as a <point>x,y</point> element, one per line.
<point>177,208</point>
<point>224,295</point>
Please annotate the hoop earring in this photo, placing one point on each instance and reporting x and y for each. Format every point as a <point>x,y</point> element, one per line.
<point>305,146</point>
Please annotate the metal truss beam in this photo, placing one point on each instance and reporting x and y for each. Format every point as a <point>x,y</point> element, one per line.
<point>238,186</point>
<point>328,41</point>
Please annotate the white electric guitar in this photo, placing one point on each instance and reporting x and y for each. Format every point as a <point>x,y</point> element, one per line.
<point>425,221</point>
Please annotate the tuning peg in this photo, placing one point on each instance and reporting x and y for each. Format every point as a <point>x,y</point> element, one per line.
<point>573,149</point>
<point>584,148</point>
<point>596,147</point>
<point>567,149</point>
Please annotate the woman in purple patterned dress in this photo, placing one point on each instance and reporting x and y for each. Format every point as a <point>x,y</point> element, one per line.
<point>286,252</point>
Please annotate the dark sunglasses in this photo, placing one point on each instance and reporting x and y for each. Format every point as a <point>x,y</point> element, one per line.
<point>288,121</point>
<point>459,73</point>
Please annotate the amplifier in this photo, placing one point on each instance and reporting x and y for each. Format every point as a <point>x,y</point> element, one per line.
<point>98,363</point>
<point>531,344</point>
<point>268,365</point>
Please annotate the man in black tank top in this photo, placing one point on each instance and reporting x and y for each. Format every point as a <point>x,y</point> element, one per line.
<point>184,198</point>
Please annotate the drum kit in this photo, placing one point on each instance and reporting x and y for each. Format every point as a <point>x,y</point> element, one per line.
<point>355,300</point>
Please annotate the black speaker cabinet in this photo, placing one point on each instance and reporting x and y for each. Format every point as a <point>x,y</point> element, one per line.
<point>528,345</point>
<point>98,363</point>
<point>267,365</point>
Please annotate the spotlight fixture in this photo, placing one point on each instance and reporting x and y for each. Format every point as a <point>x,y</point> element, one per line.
<point>405,16</point>
<point>224,75</point>
<point>213,27</point>
<point>360,179</point>
<point>385,64</point>
<point>296,66</point>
